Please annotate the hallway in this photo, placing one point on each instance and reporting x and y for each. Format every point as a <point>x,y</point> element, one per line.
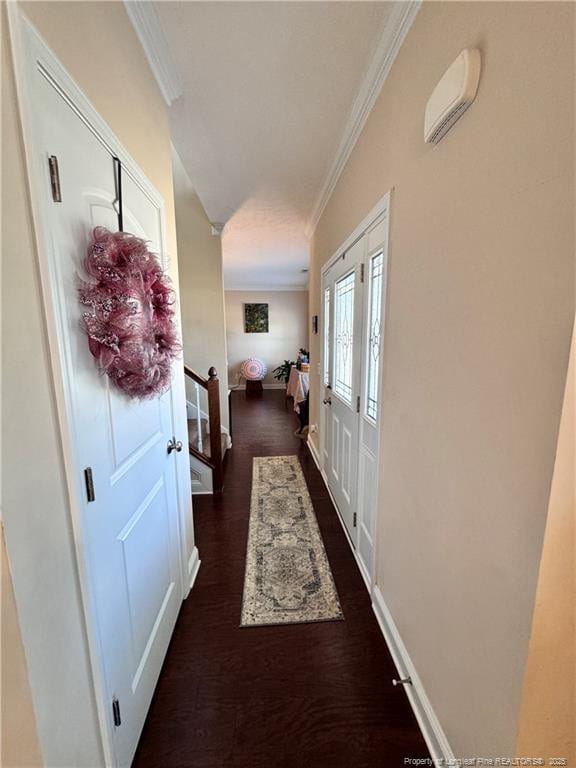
<point>309,695</point>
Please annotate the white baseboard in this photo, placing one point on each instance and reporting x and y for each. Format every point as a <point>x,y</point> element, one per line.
<point>432,731</point>
<point>193,567</point>
<point>314,452</point>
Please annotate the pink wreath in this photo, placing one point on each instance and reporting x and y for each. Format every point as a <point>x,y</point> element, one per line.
<point>130,317</point>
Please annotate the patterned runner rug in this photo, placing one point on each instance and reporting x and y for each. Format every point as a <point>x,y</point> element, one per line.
<point>288,578</point>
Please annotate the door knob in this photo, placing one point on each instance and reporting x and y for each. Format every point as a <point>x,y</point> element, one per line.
<point>174,445</point>
<point>327,401</point>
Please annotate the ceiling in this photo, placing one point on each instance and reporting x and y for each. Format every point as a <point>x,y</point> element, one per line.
<point>269,98</point>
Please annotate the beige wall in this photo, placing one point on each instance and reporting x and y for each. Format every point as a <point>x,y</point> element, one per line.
<point>20,748</point>
<point>288,330</point>
<point>548,718</point>
<point>201,285</point>
<point>479,314</point>
<point>97,44</point>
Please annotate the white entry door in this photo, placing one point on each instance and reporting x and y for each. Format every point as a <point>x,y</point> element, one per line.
<point>354,289</point>
<point>130,531</point>
<point>343,295</point>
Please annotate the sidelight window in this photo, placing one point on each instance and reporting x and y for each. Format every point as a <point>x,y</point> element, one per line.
<point>374,333</point>
<point>326,338</point>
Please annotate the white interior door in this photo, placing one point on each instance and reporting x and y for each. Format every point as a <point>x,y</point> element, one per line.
<point>130,532</point>
<point>342,388</point>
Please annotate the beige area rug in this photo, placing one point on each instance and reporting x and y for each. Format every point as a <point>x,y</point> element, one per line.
<point>288,578</point>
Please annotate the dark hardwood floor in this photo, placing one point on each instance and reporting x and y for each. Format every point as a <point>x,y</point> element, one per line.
<point>307,695</point>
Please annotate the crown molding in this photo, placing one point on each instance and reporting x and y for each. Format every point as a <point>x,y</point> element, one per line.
<point>395,30</point>
<point>146,23</point>
<point>216,228</point>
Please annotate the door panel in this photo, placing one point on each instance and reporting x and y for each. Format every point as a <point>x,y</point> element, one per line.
<point>130,531</point>
<point>367,482</point>
<point>335,452</point>
<point>347,459</point>
<point>343,349</point>
<point>146,549</point>
<point>135,427</point>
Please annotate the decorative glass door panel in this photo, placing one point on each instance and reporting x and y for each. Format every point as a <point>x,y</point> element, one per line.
<point>344,336</point>
<point>326,339</point>
<point>374,334</point>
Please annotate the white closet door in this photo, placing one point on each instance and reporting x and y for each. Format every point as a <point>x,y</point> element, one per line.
<point>130,532</point>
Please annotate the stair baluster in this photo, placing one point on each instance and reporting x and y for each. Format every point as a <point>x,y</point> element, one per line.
<point>199,417</point>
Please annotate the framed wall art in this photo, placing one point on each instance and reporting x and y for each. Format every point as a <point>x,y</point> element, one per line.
<point>255,318</point>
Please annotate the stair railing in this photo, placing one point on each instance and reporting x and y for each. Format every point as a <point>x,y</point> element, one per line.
<point>214,461</point>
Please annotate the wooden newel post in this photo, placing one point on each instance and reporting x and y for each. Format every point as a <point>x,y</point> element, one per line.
<point>213,387</point>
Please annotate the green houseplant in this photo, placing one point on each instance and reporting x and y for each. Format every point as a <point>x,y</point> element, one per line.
<point>282,372</point>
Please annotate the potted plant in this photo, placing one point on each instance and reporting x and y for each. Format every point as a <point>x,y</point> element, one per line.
<point>282,372</point>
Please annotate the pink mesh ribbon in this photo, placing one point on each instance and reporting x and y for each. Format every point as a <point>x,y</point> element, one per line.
<point>129,315</point>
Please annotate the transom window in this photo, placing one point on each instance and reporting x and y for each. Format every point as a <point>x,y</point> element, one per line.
<point>374,333</point>
<point>344,335</point>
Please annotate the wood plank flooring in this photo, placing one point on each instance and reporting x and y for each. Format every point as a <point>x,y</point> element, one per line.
<point>299,696</point>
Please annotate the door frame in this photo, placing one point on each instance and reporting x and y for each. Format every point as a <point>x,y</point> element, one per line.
<point>378,212</point>
<point>29,54</point>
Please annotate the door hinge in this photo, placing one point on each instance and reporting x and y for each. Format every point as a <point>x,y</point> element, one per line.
<point>358,404</point>
<point>55,179</point>
<point>354,520</point>
<point>116,712</point>
<point>89,481</point>
<point>361,273</point>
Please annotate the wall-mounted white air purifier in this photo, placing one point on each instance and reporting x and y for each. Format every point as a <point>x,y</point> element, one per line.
<point>452,96</point>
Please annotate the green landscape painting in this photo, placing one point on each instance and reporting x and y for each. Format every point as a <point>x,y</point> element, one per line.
<point>256,318</point>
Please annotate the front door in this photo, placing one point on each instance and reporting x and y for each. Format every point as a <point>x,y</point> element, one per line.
<point>130,531</point>
<point>354,289</point>
<point>343,298</point>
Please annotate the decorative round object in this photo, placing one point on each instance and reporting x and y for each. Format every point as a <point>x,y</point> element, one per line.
<point>129,316</point>
<point>253,369</point>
